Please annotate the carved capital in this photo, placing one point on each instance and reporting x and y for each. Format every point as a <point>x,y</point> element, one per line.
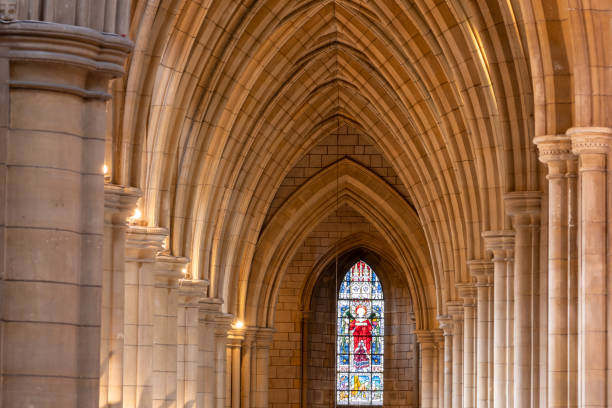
<point>144,243</point>
<point>119,203</point>
<point>482,270</point>
<point>84,59</point>
<point>524,207</point>
<point>209,309</point>
<point>455,310</point>
<point>223,324</point>
<point>438,336</point>
<point>236,336</point>
<point>264,337</point>
<point>168,270</point>
<point>554,148</point>
<point>499,243</point>
<point>467,292</point>
<point>191,291</point>
<point>446,324</point>
<point>425,337</point>
<point>590,140</point>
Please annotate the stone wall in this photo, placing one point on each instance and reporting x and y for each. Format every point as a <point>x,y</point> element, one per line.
<point>302,355</point>
<point>345,142</point>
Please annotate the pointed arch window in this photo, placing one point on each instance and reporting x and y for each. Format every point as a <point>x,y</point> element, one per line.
<point>360,338</point>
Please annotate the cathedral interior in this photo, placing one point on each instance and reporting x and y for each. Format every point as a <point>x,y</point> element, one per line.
<point>305,203</point>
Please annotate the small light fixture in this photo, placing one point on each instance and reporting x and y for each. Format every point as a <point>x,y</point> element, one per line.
<point>105,173</point>
<point>238,324</point>
<point>135,217</point>
<point>186,274</point>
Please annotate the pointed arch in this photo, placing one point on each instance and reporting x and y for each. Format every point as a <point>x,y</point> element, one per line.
<point>361,189</point>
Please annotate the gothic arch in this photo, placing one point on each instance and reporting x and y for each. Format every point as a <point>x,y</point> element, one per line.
<point>359,188</point>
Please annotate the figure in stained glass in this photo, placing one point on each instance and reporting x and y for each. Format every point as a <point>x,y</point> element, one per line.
<point>361,329</point>
<point>360,337</point>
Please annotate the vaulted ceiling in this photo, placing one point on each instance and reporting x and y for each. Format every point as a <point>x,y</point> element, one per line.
<point>223,98</point>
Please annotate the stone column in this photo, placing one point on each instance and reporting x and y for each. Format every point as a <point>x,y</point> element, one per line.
<point>207,352</point>
<point>467,292</point>
<point>142,246</point>
<point>438,401</point>
<point>168,272</point>
<point>119,203</point>
<point>592,145</point>
<point>500,244</point>
<point>223,325</point>
<point>248,350</point>
<point>446,324</point>
<point>236,336</point>
<point>53,94</point>
<point>510,327</point>
<point>425,339</point>
<point>555,151</point>
<point>572,231</point>
<point>455,309</point>
<point>190,292</point>
<point>524,208</point>
<point>260,367</point>
<point>482,271</point>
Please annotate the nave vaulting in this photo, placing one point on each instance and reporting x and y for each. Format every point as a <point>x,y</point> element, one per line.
<point>305,203</point>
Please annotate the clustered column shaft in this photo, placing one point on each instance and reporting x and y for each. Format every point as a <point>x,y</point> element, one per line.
<point>516,354</point>
<point>592,145</point>
<point>555,151</point>
<point>500,244</point>
<point>52,128</point>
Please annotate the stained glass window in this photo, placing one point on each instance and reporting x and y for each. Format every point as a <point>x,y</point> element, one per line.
<point>360,340</point>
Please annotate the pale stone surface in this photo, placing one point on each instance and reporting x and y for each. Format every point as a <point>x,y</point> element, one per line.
<point>245,129</point>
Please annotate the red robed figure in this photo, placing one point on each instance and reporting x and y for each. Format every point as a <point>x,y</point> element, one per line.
<point>361,328</point>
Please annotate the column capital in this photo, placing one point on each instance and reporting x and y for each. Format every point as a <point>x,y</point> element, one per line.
<point>144,243</point>
<point>236,336</point>
<point>190,291</point>
<point>209,309</point>
<point>455,310</point>
<point>499,243</point>
<point>62,46</point>
<point>248,334</point>
<point>438,335</point>
<point>264,337</point>
<point>590,140</point>
<point>554,148</point>
<point>482,271</point>
<point>425,336</point>
<point>168,270</point>
<point>119,203</point>
<point>523,203</point>
<point>223,324</point>
<point>446,324</point>
<point>467,292</point>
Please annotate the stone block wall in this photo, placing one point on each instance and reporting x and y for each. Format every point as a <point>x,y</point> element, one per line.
<point>302,354</point>
<point>345,142</point>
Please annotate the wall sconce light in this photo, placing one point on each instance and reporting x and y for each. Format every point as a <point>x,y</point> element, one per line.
<point>238,324</point>
<point>186,274</point>
<point>135,217</point>
<point>105,172</point>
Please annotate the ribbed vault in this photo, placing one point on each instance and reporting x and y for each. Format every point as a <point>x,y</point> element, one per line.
<point>222,99</point>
